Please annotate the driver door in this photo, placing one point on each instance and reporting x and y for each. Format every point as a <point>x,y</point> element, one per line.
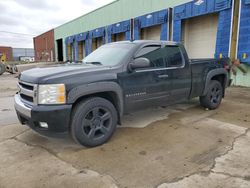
<point>149,86</point>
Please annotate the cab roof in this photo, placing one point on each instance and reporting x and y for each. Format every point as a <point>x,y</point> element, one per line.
<point>145,42</point>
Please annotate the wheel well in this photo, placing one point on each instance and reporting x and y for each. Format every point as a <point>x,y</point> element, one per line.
<point>220,78</point>
<point>110,96</point>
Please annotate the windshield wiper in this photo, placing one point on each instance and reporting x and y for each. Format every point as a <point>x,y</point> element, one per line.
<point>94,63</point>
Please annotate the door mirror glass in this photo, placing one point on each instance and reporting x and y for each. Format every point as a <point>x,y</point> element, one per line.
<point>139,63</point>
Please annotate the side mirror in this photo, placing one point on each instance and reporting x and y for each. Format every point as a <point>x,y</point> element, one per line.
<point>139,63</point>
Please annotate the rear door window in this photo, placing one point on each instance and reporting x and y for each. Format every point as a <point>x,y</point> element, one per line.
<point>173,56</point>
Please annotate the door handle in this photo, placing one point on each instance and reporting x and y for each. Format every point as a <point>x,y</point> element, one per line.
<point>163,76</point>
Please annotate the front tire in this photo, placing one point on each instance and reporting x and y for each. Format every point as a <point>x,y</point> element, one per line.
<point>94,121</point>
<point>213,98</point>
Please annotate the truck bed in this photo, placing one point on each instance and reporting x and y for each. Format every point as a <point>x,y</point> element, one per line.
<point>199,72</point>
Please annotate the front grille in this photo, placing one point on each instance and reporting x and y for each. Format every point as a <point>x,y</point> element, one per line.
<point>27,92</point>
<point>27,98</point>
<point>25,86</point>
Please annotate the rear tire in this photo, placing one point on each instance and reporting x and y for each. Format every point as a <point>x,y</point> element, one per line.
<point>213,98</point>
<point>2,68</point>
<point>94,121</point>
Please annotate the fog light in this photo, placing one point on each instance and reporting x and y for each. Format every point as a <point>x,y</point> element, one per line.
<point>44,125</point>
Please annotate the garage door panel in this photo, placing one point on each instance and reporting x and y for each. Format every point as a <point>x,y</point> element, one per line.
<point>118,37</point>
<point>96,43</point>
<point>81,50</point>
<point>99,42</point>
<point>199,36</point>
<point>151,33</point>
<point>70,52</point>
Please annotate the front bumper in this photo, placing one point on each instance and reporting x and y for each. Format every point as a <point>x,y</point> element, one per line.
<point>57,117</point>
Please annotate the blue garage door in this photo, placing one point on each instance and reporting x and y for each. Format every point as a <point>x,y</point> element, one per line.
<point>152,26</point>
<point>119,31</point>
<point>70,48</point>
<point>96,38</point>
<point>205,7</point>
<point>244,35</point>
<point>81,47</point>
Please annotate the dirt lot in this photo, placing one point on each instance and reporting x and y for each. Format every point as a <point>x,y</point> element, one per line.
<point>181,146</point>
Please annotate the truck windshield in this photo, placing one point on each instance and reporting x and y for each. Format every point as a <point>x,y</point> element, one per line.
<point>108,55</point>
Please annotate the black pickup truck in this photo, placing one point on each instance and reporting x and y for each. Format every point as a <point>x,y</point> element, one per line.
<point>88,99</point>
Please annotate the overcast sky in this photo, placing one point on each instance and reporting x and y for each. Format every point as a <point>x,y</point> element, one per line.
<point>34,17</point>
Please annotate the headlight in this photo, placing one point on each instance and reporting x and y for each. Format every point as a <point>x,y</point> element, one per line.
<point>51,94</point>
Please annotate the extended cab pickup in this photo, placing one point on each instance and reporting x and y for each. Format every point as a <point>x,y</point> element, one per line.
<point>88,99</point>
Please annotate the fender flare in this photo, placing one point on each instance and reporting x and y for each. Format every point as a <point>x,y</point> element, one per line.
<point>213,73</point>
<point>98,87</point>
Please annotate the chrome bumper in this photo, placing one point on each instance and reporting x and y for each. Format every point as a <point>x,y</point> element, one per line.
<point>21,108</point>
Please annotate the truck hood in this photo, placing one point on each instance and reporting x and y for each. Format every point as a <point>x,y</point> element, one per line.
<point>61,73</point>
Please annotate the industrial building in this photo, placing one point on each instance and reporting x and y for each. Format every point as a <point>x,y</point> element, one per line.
<point>44,46</point>
<point>208,29</point>
<point>20,53</point>
<point>17,54</point>
<point>207,23</point>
